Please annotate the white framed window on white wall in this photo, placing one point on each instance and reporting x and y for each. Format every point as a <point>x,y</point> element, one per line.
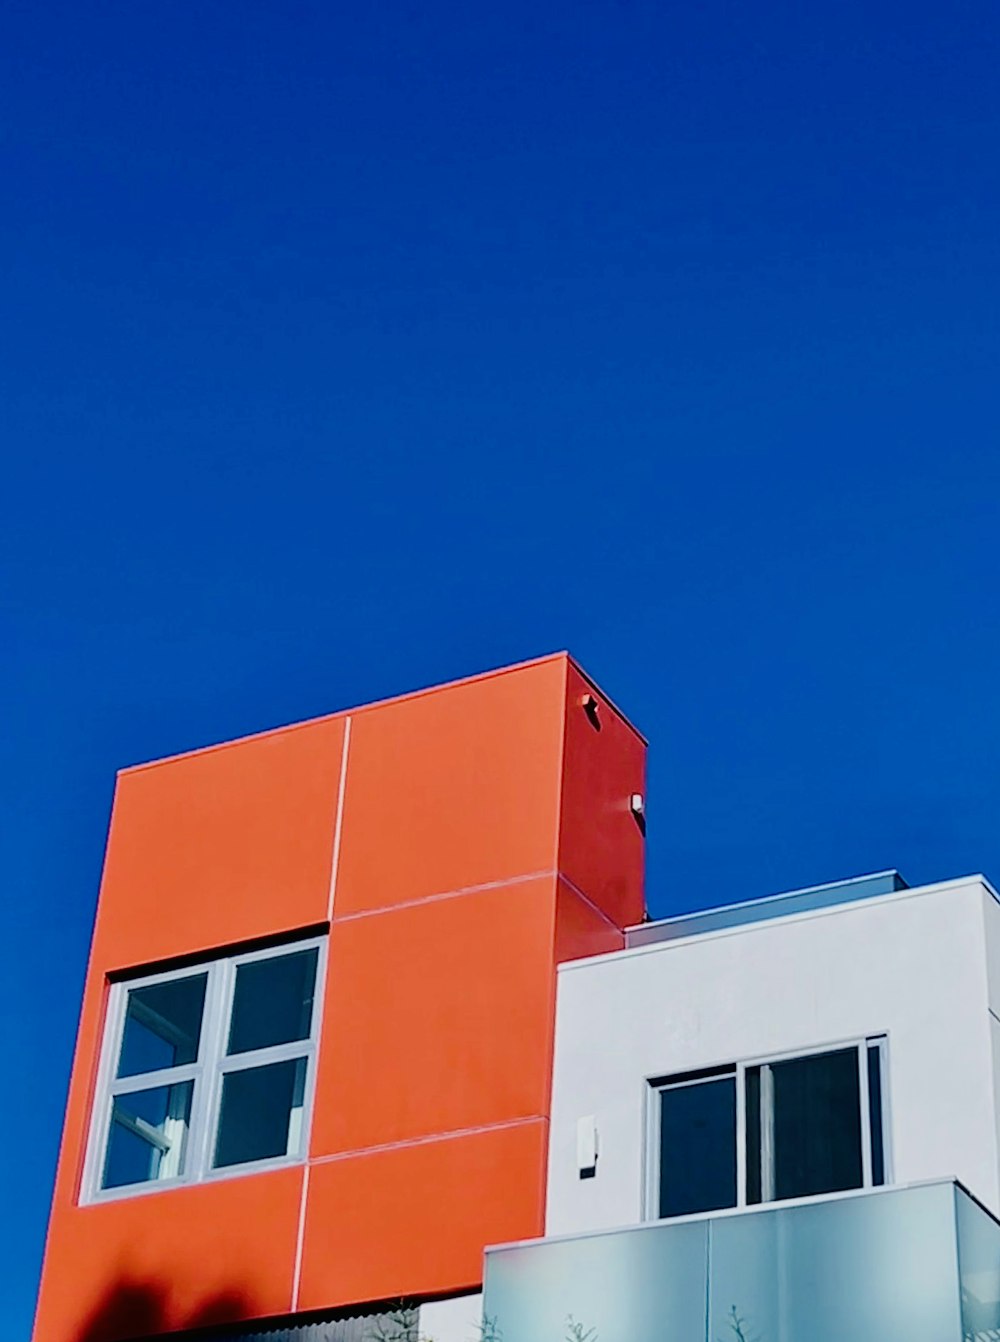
<point>767,1130</point>
<point>206,1071</point>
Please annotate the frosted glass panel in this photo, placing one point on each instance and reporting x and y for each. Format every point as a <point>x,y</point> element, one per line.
<point>628,1286</point>
<point>979,1270</point>
<point>869,1269</point>
<point>873,1267</point>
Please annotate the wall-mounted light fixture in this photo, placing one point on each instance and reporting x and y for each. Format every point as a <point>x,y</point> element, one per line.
<point>637,805</point>
<point>586,1146</point>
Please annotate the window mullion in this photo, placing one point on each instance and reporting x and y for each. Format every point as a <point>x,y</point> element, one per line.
<point>260,1057</point>
<point>101,1118</point>
<point>767,1153</point>
<point>865,1117</point>
<point>213,1045</point>
<point>881,1046</point>
<point>312,1058</point>
<point>741,1135</point>
<point>167,1076</point>
<point>651,1147</point>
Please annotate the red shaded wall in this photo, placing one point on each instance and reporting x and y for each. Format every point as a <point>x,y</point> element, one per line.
<point>459,843</point>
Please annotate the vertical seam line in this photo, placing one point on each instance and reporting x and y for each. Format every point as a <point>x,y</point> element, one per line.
<point>300,1238</point>
<point>338,826</point>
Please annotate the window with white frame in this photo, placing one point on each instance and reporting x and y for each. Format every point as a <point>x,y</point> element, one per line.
<point>768,1130</point>
<point>206,1070</point>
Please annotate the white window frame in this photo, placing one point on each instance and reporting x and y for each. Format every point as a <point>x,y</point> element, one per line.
<point>655,1085</point>
<point>206,1072</point>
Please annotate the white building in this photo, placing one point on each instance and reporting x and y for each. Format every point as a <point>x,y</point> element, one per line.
<point>772,1104</point>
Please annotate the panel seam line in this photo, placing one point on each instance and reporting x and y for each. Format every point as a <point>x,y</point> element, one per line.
<point>338,824</point>
<point>406,1142</point>
<point>447,894</point>
<point>300,1238</point>
<point>589,902</point>
<point>544,874</point>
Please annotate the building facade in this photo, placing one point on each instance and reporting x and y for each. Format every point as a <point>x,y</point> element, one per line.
<point>776,1121</point>
<point>373,1016</point>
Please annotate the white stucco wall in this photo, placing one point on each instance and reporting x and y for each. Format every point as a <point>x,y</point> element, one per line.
<point>991,924</point>
<point>459,1319</point>
<point>911,965</point>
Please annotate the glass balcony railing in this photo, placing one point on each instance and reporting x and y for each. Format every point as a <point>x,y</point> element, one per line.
<point>908,1264</point>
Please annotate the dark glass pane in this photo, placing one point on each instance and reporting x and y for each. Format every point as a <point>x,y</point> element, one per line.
<point>273,1001</point>
<point>148,1135</point>
<point>753,1134</point>
<point>817,1124</point>
<point>261,1112</point>
<point>162,1025</point>
<point>875,1113</point>
<point>698,1147</point>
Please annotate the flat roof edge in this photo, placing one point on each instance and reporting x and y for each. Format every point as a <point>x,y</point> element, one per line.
<point>354,709</point>
<point>765,901</point>
<point>490,674</point>
<point>760,925</point>
<point>627,721</point>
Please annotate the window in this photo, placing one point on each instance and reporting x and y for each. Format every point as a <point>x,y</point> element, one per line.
<point>766,1131</point>
<point>206,1070</point>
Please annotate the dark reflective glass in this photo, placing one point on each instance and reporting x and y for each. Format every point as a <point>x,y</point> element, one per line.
<point>162,1025</point>
<point>148,1135</point>
<point>875,1113</point>
<point>273,1001</point>
<point>261,1112</point>
<point>753,1134</point>
<point>817,1124</point>
<point>698,1147</point>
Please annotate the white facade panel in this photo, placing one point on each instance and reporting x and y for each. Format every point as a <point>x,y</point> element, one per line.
<point>911,966</point>
<point>991,923</point>
<point>459,1319</point>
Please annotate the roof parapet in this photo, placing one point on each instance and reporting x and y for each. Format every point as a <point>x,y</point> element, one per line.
<point>763,910</point>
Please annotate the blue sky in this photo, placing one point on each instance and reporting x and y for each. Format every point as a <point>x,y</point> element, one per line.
<point>346,349</point>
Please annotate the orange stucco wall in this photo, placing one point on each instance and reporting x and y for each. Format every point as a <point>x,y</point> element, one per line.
<point>458,843</point>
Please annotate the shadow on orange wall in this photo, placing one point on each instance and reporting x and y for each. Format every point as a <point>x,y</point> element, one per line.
<point>135,1309</point>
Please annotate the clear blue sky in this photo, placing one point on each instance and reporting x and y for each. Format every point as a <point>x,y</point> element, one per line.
<point>349,348</point>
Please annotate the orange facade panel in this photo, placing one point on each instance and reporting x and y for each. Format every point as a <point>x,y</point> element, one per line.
<point>463,841</point>
<point>453,789</point>
<point>219,847</point>
<point>214,1253</point>
<point>437,1018</point>
<point>413,1220</point>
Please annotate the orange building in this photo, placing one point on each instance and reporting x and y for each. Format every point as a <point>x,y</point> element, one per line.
<point>312,1078</point>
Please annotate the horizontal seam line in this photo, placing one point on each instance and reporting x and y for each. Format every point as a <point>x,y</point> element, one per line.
<point>444,894</point>
<point>428,1140</point>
